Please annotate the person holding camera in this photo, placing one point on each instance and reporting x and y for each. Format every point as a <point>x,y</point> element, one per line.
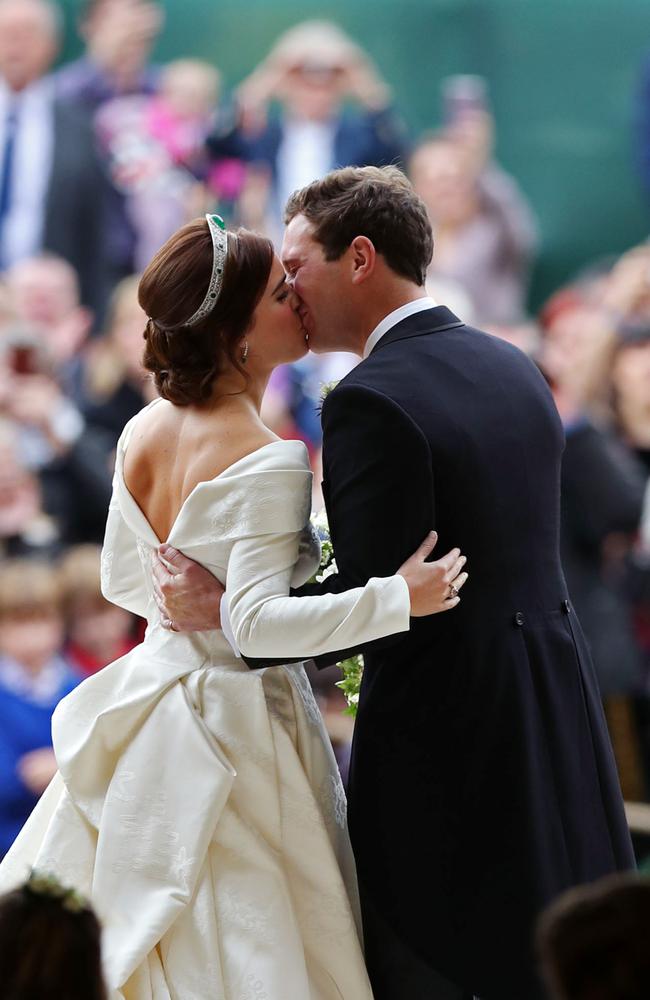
<point>310,72</point>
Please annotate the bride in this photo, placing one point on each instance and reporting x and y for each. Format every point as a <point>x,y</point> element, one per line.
<point>198,803</point>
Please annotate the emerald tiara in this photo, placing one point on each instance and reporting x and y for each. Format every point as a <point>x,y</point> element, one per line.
<point>219,251</point>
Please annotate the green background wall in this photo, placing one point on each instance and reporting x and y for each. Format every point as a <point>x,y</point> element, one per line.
<point>562,75</point>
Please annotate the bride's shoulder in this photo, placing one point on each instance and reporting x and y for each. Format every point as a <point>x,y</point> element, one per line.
<point>147,422</point>
<point>289,451</point>
<point>267,490</point>
<point>282,454</point>
<point>271,462</point>
<point>260,451</point>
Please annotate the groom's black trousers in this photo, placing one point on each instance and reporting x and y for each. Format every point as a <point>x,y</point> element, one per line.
<point>396,972</point>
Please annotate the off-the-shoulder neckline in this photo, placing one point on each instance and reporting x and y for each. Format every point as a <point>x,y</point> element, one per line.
<point>119,465</point>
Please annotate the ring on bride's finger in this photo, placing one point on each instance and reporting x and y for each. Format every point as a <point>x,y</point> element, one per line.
<point>453,592</point>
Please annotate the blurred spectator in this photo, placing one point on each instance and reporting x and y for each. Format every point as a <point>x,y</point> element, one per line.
<point>303,386</point>
<point>25,528</point>
<point>526,335</point>
<point>312,70</point>
<point>593,942</point>
<point>579,338</point>
<point>55,442</point>
<point>630,379</point>
<point>51,184</point>
<point>275,404</point>
<point>626,287</point>
<point>119,37</point>
<point>155,148</point>
<point>45,298</point>
<point>293,399</point>
<point>116,387</point>
<point>603,484</point>
<point>49,943</point>
<point>449,292</point>
<point>7,316</point>
<point>484,230</point>
<point>630,385</point>
<point>98,631</point>
<point>34,677</point>
<point>603,490</point>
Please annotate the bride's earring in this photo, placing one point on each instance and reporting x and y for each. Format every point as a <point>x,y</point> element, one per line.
<point>244,353</point>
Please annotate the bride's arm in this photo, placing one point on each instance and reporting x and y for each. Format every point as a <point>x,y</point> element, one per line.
<point>380,500</point>
<point>267,623</point>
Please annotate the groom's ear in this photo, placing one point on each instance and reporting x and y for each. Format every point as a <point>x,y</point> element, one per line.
<point>363,257</point>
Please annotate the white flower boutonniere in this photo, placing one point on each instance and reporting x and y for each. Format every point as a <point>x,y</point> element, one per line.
<point>325,389</point>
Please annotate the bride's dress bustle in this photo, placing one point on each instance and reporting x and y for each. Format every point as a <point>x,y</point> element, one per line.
<point>198,803</point>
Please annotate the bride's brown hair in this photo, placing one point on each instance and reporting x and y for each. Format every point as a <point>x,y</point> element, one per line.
<point>187,360</point>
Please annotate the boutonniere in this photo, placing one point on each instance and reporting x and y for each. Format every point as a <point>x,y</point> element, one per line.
<point>325,389</point>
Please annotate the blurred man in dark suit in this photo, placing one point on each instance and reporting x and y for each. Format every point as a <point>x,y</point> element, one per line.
<point>52,190</point>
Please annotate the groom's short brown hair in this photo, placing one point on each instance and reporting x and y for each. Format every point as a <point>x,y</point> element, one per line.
<point>376,202</point>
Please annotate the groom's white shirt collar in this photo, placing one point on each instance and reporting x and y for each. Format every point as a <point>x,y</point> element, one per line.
<point>395,317</point>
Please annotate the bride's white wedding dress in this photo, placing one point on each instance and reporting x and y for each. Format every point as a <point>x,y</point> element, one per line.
<point>198,803</point>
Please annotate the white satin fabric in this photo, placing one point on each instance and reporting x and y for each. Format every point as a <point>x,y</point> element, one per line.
<point>198,803</point>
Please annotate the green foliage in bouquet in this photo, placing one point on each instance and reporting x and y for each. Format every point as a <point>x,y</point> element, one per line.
<point>352,668</point>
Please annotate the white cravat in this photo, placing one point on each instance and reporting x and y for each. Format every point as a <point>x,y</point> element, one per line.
<point>33,154</point>
<point>395,317</point>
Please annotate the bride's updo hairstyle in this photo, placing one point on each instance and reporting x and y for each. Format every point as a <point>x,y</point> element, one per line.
<point>187,360</point>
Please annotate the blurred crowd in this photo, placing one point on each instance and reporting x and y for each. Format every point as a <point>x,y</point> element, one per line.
<point>101,159</point>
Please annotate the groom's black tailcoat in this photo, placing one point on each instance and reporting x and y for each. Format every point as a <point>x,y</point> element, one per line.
<point>482,779</point>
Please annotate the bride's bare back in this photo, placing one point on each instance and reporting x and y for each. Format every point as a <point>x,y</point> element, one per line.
<point>174,448</point>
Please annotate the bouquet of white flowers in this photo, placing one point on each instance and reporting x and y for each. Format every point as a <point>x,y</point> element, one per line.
<point>352,668</point>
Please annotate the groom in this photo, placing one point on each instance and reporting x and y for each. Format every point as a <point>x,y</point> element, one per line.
<point>482,781</point>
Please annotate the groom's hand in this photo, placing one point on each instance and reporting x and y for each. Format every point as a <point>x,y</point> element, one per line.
<point>188,596</point>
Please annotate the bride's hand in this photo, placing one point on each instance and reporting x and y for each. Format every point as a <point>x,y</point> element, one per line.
<point>433,586</point>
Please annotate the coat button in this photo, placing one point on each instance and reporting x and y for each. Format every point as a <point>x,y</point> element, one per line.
<point>566,607</point>
<point>519,619</point>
